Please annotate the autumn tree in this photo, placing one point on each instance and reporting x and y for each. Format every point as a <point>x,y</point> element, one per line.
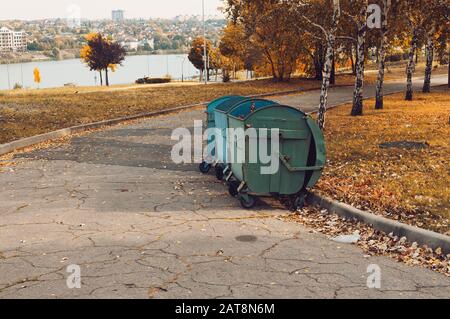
<point>435,25</point>
<point>309,12</point>
<point>443,45</point>
<point>417,14</point>
<point>233,46</point>
<point>37,76</point>
<point>196,54</point>
<point>269,24</point>
<point>87,58</point>
<point>215,61</point>
<point>386,9</point>
<point>356,13</point>
<point>101,53</point>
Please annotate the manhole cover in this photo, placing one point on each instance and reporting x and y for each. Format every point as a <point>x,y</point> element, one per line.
<point>405,145</point>
<point>247,238</point>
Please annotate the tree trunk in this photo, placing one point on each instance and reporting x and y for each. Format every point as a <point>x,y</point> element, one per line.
<point>326,82</point>
<point>318,62</point>
<point>272,64</point>
<point>411,67</point>
<point>101,78</point>
<point>357,108</point>
<point>381,69</point>
<point>352,61</point>
<point>382,57</point>
<point>106,77</point>
<point>333,70</point>
<point>430,57</point>
<point>331,38</point>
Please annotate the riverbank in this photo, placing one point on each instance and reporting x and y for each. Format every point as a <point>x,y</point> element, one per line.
<point>40,56</point>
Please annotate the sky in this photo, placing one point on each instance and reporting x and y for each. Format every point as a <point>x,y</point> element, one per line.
<point>101,9</point>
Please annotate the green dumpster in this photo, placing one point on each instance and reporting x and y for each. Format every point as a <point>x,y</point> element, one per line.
<point>301,155</point>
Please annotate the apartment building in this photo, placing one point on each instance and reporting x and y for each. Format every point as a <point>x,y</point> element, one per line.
<point>117,15</point>
<point>12,41</point>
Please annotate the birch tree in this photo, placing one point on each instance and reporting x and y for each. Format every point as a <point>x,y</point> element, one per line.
<point>359,20</point>
<point>410,69</point>
<point>429,53</point>
<point>382,52</point>
<point>329,32</point>
<point>418,15</point>
<point>331,38</point>
<point>436,24</point>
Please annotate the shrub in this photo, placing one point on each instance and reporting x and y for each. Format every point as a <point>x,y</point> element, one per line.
<point>226,78</point>
<point>148,80</point>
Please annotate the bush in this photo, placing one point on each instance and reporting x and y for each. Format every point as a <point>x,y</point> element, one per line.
<point>396,57</point>
<point>18,86</point>
<point>226,78</point>
<point>148,80</point>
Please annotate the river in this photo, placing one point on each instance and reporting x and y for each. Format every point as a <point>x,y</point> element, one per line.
<point>58,73</point>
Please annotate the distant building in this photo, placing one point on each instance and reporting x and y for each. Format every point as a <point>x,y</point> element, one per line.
<point>117,15</point>
<point>12,41</point>
<point>130,45</point>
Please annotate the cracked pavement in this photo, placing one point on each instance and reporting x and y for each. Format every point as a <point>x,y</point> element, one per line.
<point>140,226</point>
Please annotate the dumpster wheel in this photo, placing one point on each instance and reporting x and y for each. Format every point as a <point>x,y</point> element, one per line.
<point>233,188</point>
<point>219,173</point>
<point>299,201</point>
<point>204,167</point>
<point>247,201</point>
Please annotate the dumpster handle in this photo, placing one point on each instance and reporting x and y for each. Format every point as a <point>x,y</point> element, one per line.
<point>298,169</point>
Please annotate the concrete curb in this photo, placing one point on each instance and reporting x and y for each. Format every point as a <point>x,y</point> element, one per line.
<point>33,140</point>
<point>413,234</point>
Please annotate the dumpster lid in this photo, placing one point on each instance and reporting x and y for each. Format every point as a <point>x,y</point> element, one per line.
<point>226,105</point>
<point>213,104</point>
<point>268,107</point>
<point>244,108</point>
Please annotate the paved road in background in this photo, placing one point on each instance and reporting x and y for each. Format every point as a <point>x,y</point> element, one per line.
<point>308,101</point>
<point>140,226</point>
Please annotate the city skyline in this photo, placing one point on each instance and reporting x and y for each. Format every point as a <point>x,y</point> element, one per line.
<point>86,9</point>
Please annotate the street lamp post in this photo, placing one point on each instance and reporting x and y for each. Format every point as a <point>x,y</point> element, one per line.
<point>167,65</point>
<point>9,78</point>
<point>205,71</point>
<point>182,69</point>
<point>21,73</point>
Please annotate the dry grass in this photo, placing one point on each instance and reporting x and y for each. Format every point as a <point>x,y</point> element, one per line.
<point>407,185</point>
<point>29,112</point>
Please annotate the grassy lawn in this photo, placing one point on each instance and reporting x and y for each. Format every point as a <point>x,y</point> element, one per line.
<point>410,185</point>
<point>26,113</point>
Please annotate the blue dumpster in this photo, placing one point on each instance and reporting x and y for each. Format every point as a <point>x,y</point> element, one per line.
<point>240,107</point>
<point>205,166</point>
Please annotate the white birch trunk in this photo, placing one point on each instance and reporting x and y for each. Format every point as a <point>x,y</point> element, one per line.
<point>331,37</point>
<point>382,56</point>
<point>430,57</point>
<point>357,108</point>
<point>410,68</point>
